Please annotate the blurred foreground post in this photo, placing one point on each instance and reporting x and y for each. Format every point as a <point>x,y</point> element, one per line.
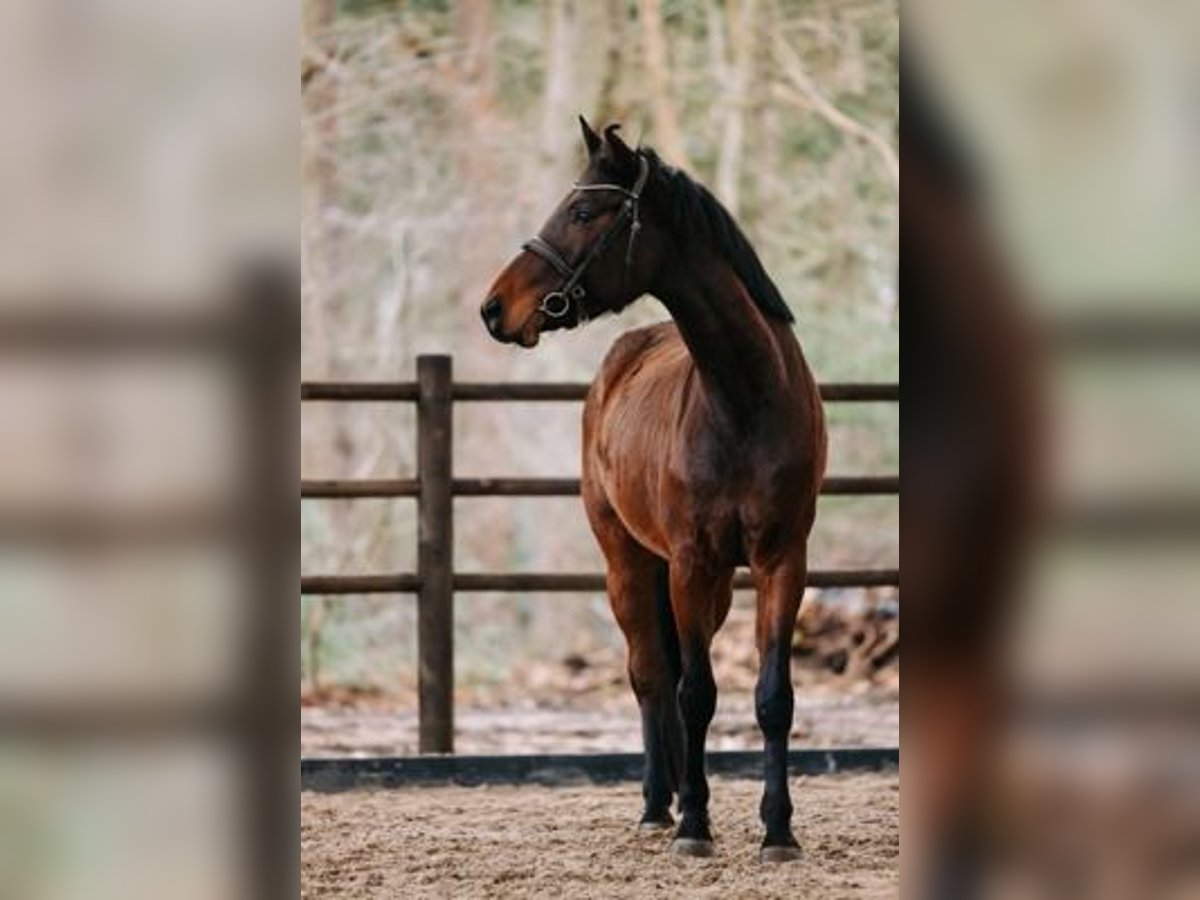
<point>268,365</point>
<point>435,555</point>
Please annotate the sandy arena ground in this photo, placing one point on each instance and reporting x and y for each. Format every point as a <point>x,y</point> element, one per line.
<point>580,842</point>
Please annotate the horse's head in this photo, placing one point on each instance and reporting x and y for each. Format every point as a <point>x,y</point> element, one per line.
<point>597,252</point>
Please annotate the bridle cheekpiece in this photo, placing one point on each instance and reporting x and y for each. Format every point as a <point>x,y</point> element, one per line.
<point>557,303</point>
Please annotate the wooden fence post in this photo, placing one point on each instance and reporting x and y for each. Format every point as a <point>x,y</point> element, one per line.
<point>435,554</point>
<point>266,357</point>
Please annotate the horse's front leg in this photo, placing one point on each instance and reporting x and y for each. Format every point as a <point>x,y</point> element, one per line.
<point>700,598</point>
<point>780,590</point>
<point>637,592</point>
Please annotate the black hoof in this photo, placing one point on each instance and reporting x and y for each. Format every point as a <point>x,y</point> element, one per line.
<point>656,823</point>
<point>782,854</point>
<point>693,838</point>
<point>691,847</point>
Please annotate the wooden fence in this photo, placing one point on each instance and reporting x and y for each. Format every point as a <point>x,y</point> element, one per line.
<point>434,487</point>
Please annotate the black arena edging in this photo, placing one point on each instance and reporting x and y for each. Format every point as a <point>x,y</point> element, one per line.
<point>348,773</point>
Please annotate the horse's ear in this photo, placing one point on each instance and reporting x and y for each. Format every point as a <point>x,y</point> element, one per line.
<point>589,137</point>
<point>625,158</point>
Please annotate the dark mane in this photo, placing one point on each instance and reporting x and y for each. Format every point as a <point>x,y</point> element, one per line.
<point>695,214</point>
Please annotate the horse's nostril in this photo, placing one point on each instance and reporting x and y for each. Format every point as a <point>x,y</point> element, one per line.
<point>491,310</point>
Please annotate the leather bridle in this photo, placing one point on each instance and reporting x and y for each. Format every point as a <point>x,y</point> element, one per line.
<point>557,304</point>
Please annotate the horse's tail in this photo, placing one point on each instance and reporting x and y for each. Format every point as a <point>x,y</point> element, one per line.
<point>668,635</point>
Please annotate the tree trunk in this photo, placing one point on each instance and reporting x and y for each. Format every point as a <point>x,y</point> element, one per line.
<point>666,122</point>
<point>558,98</point>
<point>474,92</point>
<point>718,60</point>
<point>608,107</point>
<point>321,162</point>
<point>475,27</point>
<point>742,39</point>
<point>763,128</point>
<point>475,89</point>
<point>319,250</point>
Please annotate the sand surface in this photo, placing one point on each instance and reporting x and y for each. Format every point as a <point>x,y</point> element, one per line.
<point>581,842</point>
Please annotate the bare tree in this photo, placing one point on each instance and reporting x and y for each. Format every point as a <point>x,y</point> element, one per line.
<point>321,99</point>
<point>474,89</point>
<point>319,78</point>
<point>476,32</point>
<point>666,121</point>
<point>320,257</point>
<point>608,108</point>
<point>803,92</point>
<point>718,57</point>
<point>559,98</point>
<point>764,131</point>
<point>743,33</point>
<point>474,86</point>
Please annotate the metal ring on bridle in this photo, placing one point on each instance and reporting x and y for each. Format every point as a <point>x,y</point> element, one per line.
<point>549,308</point>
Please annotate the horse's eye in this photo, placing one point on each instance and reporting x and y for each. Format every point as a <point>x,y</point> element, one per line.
<point>581,214</point>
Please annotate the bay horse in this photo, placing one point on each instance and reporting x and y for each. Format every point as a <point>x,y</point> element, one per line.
<point>703,450</point>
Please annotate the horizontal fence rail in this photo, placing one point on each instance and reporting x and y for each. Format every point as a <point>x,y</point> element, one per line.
<point>560,582</point>
<point>359,488</point>
<point>435,582</point>
<point>549,391</point>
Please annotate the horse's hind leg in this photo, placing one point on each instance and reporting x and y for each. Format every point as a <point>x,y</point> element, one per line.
<point>780,590</point>
<point>637,585</point>
<point>667,724</point>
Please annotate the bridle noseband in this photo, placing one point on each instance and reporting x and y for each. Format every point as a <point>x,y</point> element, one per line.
<point>556,304</point>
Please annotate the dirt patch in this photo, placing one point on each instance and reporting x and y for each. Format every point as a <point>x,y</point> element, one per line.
<point>581,842</point>
<point>823,719</point>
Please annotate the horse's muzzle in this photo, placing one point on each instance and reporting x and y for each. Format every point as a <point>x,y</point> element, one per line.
<point>492,313</point>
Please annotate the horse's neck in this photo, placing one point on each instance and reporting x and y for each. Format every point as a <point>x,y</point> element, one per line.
<point>740,354</point>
